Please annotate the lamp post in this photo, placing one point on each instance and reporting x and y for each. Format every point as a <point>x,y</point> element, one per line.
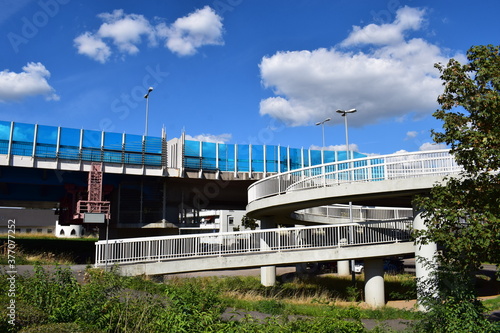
<point>344,114</point>
<point>144,143</point>
<point>322,123</point>
<point>147,109</point>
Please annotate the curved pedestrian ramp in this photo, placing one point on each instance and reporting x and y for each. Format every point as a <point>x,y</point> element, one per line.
<point>188,253</point>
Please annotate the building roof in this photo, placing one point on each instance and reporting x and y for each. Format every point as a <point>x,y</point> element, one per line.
<point>28,217</point>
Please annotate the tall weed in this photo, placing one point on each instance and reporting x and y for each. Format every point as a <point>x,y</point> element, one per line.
<point>55,294</point>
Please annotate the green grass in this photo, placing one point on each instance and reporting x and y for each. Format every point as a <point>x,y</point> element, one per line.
<point>313,296</point>
<point>492,304</point>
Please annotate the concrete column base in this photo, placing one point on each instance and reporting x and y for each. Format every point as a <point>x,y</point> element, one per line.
<point>268,276</point>
<point>343,267</point>
<point>374,282</point>
<point>267,273</point>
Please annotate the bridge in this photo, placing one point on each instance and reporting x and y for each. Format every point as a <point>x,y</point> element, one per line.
<point>381,180</point>
<point>175,254</point>
<point>289,198</point>
<point>268,248</point>
<point>151,182</point>
<point>387,180</point>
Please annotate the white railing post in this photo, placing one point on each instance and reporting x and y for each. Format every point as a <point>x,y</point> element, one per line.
<point>158,250</point>
<point>369,173</point>
<point>324,174</point>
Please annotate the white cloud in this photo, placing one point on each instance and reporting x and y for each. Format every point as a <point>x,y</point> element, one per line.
<point>188,33</point>
<point>406,19</point>
<point>32,81</point>
<point>411,135</point>
<point>402,151</point>
<point>394,78</point>
<point>124,30</point>
<point>432,146</point>
<point>127,31</point>
<point>352,147</point>
<point>221,138</point>
<point>93,47</point>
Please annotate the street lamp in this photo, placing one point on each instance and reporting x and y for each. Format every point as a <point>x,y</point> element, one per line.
<point>322,123</point>
<point>147,109</point>
<point>344,114</point>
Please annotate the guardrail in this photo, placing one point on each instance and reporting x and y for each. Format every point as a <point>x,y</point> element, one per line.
<point>157,249</point>
<point>377,168</point>
<point>359,213</point>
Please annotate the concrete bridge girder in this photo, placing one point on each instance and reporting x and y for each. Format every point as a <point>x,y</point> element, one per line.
<point>380,193</point>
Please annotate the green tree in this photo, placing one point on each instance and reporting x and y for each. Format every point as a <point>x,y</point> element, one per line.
<point>249,223</point>
<point>463,214</point>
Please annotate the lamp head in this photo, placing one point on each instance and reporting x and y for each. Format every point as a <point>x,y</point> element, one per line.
<point>324,121</point>
<point>149,90</point>
<point>344,112</point>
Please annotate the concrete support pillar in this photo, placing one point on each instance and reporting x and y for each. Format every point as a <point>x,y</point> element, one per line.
<point>374,282</point>
<point>267,273</point>
<point>343,267</point>
<point>424,256</point>
<point>268,276</point>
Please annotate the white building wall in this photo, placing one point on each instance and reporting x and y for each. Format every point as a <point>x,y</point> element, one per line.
<point>69,231</point>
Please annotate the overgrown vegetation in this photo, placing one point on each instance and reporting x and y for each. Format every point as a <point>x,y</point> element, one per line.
<point>53,301</point>
<point>106,302</point>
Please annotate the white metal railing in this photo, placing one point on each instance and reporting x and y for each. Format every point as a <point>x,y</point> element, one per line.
<point>374,168</point>
<point>359,213</point>
<point>157,249</point>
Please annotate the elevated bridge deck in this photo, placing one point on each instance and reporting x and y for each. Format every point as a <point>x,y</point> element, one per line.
<point>175,254</point>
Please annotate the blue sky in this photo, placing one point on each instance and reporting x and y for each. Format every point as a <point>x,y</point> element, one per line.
<point>238,71</point>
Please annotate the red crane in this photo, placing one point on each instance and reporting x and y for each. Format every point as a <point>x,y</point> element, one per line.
<point>94,203</point>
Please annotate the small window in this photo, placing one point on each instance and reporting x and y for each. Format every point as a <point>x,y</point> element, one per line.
<point>61,233</point>
<point>28,230</point>
<point>39,231</point>
<point>230,220</point>
<point>49,231</point>
<point>73,232</point>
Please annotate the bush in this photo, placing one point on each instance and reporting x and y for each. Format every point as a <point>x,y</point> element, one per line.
<point>271,306</point>
<point>26,315</point>
<point>450,299</point>
<point>326,325</point>
<point>55,294</point>
<point>191,308</point>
